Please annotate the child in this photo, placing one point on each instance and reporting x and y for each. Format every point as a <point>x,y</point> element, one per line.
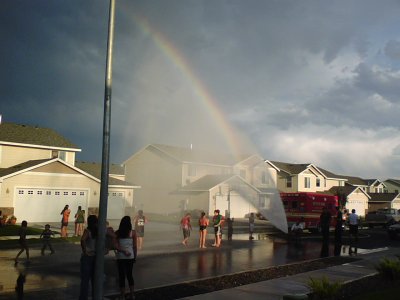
<point>46,236</point>
<point>230,228</point>
<point>22,241</point>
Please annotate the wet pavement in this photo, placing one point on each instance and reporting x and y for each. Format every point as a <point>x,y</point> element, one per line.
<point>162,261</point>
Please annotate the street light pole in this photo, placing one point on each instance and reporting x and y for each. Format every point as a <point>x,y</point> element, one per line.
<point>100,241</point>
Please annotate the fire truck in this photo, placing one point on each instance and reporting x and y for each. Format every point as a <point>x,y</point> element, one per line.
<point>308,206</point>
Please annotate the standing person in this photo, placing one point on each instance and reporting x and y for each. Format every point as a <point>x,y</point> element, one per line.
<point>79,221</point>
<point>297,229</point>
<point>230,228</point>
<point>251,226</point>
<point>139,222</point>
<point>325,221</point>
<point>88,257</point>
<point>186,228</point>
<point>203,223</point>
<point>46,236</point>
<point>353,230</point>
<point>217,220</point>
<point>338,232</point>
<point>22,241</point>
<point>64,220</point>
<point>126,255</point>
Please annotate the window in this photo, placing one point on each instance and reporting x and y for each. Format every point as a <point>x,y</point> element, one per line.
<point>294,204</point>
<point>20,192</point>
<point>264,178</point>
<point>39,192</point>
<point>30,192</point>
<point>307,182</point>
<point>73,193</point>
<point>318,182</point>
<point>48,193</point>
<point>82,194</point>
<point>65,193</point>
<point>289,182</point>
<point>192,170</point>
<point>57,193</point>
<point>62,155</point>
<point>261,202</point>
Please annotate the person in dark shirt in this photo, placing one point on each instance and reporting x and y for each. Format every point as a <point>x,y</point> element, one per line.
<point>325,222</point>
<point>46,237</point>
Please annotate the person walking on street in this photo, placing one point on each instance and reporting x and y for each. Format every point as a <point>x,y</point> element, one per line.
<point>353,231</point>
<point>251,226</point>
<point>203,224</point>
<point>22,241</point>
<point>139,222</point>
<point>217,222</point>
<point>126,255</point>
<point>338,232</point>
<point>46,237</point>
<point>64,221</point>
<point>186,228</point>
<point>88,257</point>
<point>325,222</point>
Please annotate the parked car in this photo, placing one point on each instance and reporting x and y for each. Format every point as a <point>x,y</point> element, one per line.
<point>382,217</point>
<point>394,231</point>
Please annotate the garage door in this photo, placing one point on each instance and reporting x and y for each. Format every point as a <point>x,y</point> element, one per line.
<point>45,205</point>
<point>116,205</point>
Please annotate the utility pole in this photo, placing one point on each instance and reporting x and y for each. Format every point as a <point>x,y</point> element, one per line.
<point>105,164</point>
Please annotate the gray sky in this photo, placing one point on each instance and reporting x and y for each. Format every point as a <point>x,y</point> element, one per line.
<point>299,81</point>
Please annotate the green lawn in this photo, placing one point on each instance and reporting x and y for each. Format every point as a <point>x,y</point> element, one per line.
<point>10,230</point>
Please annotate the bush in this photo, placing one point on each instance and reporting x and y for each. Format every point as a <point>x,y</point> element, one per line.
<point>323,289</point>
<point>389,268</point>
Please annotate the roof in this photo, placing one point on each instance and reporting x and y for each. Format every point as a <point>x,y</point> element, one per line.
<point>22,166</point>
<point>355,180</point>
<point>94,169</point>
<point>346,190</point>
<point>33,135</point>
<point>206,182</point>
<point>290,168</point>
<point>395,181</point>
<point>382,197</point>
<point>197,156</point>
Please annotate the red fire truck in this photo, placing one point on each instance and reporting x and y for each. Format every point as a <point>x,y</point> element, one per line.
<point>308,206</point>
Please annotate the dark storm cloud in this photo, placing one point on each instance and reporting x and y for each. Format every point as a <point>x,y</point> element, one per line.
<point>305,80</point>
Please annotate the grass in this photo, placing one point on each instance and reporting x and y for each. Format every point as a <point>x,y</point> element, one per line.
<point>13,230</point>
<point>379,295</point>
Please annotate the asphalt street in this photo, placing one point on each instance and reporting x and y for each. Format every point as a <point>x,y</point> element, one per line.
<point>164,261</point>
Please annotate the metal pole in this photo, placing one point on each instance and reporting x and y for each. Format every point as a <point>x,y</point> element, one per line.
<point>100,241</point>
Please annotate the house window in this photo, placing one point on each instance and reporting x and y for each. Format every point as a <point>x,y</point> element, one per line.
<point>65,193</point>
<point>21,192</point>
<point>57,193</point>
<point>243,174</point>
<point>30,192</point>
<point>289,182</point>
<point>307,182</point>
<point>192,170</point>
<point>73,193</point>
<point>120,194</point>
<point>318,182</point>
<point>62,155</point>
<point>82,194</point>
<point>48,193</point>
<point>39,192</point>
<point>264,178</point>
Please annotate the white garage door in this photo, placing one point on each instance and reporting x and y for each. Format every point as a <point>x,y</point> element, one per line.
<point>116,205</point>
<point>45,205</point>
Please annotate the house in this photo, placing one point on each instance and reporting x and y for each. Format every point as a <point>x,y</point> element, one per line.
<point>383,200</point>
<point>354,197</point>
<point>38,176</point>
<point>175,179</point>
<point>304,178</point>
<point>368,185</point>
<point>392,185</point>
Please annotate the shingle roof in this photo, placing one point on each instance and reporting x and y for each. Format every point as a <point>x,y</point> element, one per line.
<point>94,169</point>
<point>290,168</point>
<point>196,156</point>
<point>25,134</point>
<point>346,190</point>
<point>206,182</point>
<point>382,197</point>
<point>355,180</point>
<point>20,167</point>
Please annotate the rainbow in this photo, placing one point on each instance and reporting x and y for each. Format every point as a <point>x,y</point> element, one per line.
<point>200,90</point>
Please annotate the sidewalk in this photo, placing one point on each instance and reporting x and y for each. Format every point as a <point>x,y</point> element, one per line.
<point>295,287</point>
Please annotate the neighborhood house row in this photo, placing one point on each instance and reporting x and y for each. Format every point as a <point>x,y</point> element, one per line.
<point>39,174</point>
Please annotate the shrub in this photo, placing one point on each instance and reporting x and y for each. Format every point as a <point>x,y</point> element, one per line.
<point>389,268</point>
<point>323,289</point>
